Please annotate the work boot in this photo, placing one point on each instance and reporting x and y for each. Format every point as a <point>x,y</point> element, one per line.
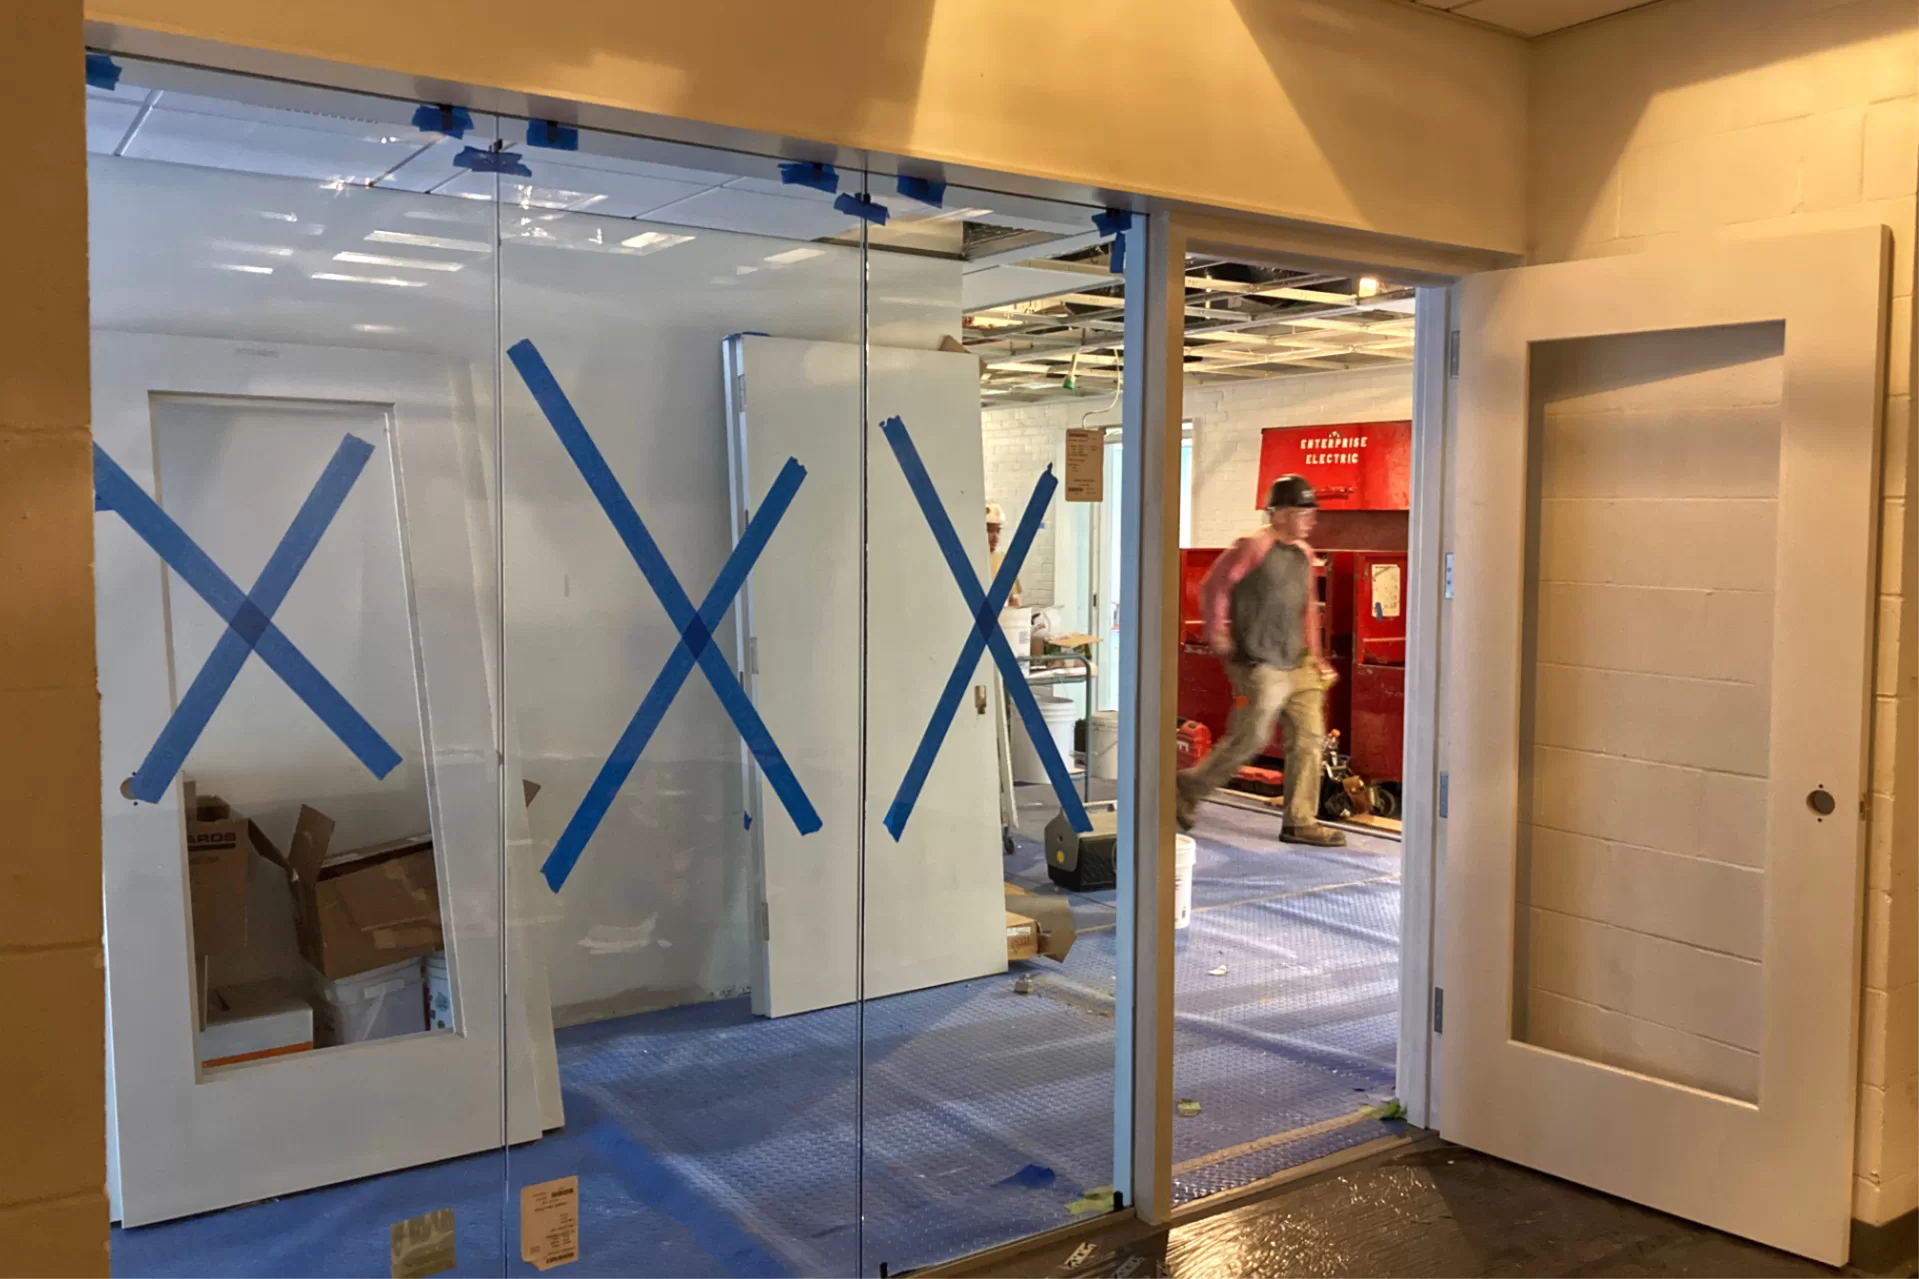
<point>1316,835</point>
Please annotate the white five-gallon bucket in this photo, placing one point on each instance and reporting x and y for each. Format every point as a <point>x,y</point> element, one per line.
<point>1102,745</point>
<point>1058,712</point>
<point>1185,853</point>
<point>1016,624</point>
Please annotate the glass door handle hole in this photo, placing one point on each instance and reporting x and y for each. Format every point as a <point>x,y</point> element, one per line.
<point>1821,802</point>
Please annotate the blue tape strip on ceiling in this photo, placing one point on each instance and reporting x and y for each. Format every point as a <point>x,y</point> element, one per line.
<point>442,118</point>
<point>985,636</point>
<point>249,616</point>
<point>861,207</point>
<point>696,627</point>
<point>925,190</point>
<point>102,72</point>
<point>810,173</point>
<point>552,135</point>
<point>491,161</point>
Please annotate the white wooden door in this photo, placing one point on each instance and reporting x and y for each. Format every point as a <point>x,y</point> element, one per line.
<point>219,422</point>
<point>1666,500</point>
<point>934,902</point>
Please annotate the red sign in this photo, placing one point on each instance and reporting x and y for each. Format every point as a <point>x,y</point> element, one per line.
<point>1353,466</point>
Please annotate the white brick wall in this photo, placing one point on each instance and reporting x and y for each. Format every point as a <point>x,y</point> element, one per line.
<point>1227,420</point>
<point>1699,118</point>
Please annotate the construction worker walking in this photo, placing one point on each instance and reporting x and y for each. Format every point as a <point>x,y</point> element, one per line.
<point>1262,617</point>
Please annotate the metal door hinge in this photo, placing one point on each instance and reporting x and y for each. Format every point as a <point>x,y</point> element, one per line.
<point>979,698</point>
<point>1439,1010</point>
<point>1444,780</point>
<point>1452,353</point>
<point>1449,574</point>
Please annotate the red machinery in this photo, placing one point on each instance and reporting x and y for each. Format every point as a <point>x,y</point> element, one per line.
<point>1362,472</point>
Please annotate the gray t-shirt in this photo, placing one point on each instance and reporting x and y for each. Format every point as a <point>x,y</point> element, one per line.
<point>1268,609</point>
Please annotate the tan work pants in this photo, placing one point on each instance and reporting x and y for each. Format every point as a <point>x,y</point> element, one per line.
<point>1265,695</point>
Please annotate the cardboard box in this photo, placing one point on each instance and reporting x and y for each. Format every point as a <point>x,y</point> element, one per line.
<point>1022,937</point>
<point>364,908</point>
<point>1051,915</point>
<point>220,847</point>
<point>255,1021</point>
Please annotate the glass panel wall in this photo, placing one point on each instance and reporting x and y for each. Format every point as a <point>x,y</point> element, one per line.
<point>293,385</point>
<point>622,637</point>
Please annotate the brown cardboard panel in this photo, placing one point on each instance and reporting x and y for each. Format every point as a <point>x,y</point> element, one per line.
<point>1052,914</point>
<point>363,908</point>
<point>1022,937</point>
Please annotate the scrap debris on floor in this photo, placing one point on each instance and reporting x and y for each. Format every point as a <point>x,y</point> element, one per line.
<point>711,1142</point>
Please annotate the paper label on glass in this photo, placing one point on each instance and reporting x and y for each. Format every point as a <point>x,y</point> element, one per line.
<point>1386,578</point>
<point>550,1223</point>
<point>1085,465</point>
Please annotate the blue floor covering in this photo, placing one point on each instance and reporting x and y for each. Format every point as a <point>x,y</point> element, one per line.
<point>711,1142</point>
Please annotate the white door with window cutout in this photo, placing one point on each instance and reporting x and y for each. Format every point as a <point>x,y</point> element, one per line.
<point>1666,511</point>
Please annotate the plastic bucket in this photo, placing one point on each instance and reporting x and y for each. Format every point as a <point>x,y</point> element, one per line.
<point>1185,853</point>
<point>1058,712</point>
<point>1102,745</point>
<point>1016,624</point>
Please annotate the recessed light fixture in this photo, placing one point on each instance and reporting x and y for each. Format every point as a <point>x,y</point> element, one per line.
<point>429,242</point>
<point>652,241</point>
<point>389,281</point>
<point>1368,286</point>
<point>417,264</point>
<point>793,255</point>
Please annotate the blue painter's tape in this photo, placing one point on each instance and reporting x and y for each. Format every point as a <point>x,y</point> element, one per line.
<point>654,1182</point>
<point>102,72</point>
<point>552,135</point>
<point>1031,1177</point>
<point>925,190</point>
<point>1113,221</point>
<point>811,173</point>
<point>1116,261</point>
<point>489,161</point>
<point>249,618</point>
<point>985,635</point>
<point>861,207</point>
<point>442,118</point>
<point>696,627</point>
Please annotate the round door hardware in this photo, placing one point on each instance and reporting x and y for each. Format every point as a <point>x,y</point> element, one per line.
<point>1821,802</point>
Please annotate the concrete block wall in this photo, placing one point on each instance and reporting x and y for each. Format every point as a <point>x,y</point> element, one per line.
<point>1694,119</point>
<point>53,1208</point>
<point>1227,420</point>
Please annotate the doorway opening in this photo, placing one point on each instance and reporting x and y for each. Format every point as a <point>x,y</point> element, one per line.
<point>1287,892</point>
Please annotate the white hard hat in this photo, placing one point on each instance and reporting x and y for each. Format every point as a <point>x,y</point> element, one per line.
<point>994,515</point>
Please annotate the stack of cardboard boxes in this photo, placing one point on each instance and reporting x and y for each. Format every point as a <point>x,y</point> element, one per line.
<point>365,920</point>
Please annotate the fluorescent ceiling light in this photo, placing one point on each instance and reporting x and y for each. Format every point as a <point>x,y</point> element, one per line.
<point>240,246</point>
<point>429,215</point>
<point>389,281</point>
<point>652,241</point>
<point>376,328</point>
<point>242,267</point>
<point>417,264</point>
<point>278,217</point>
<point>1368,286</point>
<point>429,242</point>
<point>792,255</point>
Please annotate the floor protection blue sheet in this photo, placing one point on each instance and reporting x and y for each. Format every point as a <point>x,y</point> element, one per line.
<point>712,1142</point>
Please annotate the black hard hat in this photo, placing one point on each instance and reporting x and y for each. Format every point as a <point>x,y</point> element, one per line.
<point>1291,491</point>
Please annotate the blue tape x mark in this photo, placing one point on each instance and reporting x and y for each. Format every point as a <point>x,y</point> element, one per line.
<point>985,635</point>
<point>249,616</point>
<point>696,628</point>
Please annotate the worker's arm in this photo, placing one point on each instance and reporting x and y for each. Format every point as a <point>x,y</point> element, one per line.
<point>1312,612</point>
<point>1216,590</point>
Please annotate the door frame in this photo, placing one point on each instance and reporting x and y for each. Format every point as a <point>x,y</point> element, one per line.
<point>1154,409</point>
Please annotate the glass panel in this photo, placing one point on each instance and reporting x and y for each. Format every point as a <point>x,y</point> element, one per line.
<point>1646,705</point>
<point>990,491</point>
<point>676,324</point>
<point>1291,696</point>
<point>293,407</point>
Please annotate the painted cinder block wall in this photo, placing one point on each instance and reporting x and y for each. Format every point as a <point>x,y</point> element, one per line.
<point>1695,119</point>
<point>53,1206</point>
